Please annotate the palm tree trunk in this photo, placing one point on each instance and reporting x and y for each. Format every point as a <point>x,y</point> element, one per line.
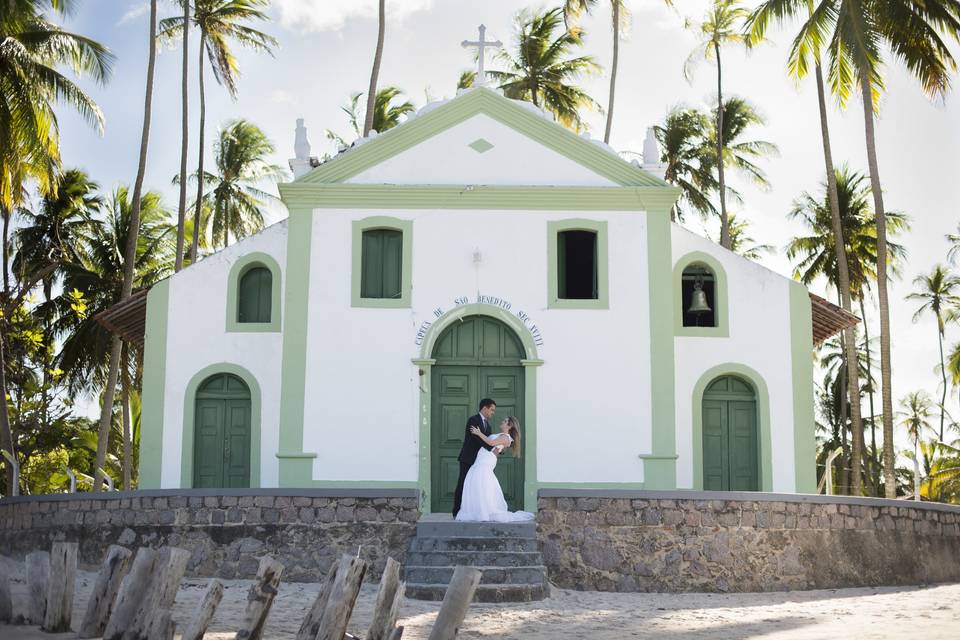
<point>843,284</point>
<point>613,68</point>
<point>6,433</point>
<point>844,413</point>
<point>6,251</point>
<point>886,385</point>
<point>130,256</point>
<point>875,461</point>
<point>943,372</point>
<point>195,245</point>
<point>724,221</point>
<point>184,139</point>
<point>125,408</point>
<point>372,90</point>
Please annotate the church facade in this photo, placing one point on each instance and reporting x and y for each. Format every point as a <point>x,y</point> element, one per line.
<point>478,250</point>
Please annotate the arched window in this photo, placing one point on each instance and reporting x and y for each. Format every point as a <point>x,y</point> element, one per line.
<point>698,287</point>
<point>255,295</point>
<point>381,264</point>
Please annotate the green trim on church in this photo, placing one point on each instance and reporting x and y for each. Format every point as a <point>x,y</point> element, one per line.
<point>801,357</point>
<point>406,261</point>
<point>154,385</point>
<point>599,227</point>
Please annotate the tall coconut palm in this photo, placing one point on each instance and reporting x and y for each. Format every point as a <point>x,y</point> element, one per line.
<point>738,117</point>
<point>220,23</point>
<point>954,240</point>
<point>106,412</point>
<point>375,72</point>
<point>235,201</point>
<point>953,365</point>
<point>742,243</point>
<point>184,134</point>
<point>720,27</point>
<point>543,66</point>
<point>387,113</point>
<point>685,151</point>
<point>915,417</point>
<point>938,290</point>
<point>620,21</point>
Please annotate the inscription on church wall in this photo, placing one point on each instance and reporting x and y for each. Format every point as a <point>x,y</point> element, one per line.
<point>493,301</point>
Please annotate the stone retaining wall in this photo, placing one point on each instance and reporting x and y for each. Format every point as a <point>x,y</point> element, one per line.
<point>227,531</point>
<point>679,541</point>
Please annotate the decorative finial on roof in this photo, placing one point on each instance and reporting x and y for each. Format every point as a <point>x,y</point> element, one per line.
<point>651,155</point>
<point>301,163</point>
<point>482,44</point>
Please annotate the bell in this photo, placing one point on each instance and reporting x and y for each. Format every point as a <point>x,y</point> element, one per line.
<point>698,303</point>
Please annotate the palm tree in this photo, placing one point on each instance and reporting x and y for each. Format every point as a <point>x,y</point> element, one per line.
<point>386,114</point>
<point>466,80</point>
<point>130,250</point>
<point>542,67</point>
<point>375,72</point>
<point>742,243</point>
<point>721,26</point>
<point>944,477</point>
<point>953,365</point>
<point>938,290</point>
<point>184,135</point>
<point>220,24</point>
<point>241,153</point>
<point>954,240</point>
<point>620,21</point>
<point>738,116</point>
<point>915,416</point>
<point>685,150</point>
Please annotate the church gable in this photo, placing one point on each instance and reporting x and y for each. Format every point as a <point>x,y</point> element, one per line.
<point>480,137</point>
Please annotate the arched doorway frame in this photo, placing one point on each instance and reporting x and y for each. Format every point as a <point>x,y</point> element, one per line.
<point>755,380</point>
<point>530,365</point>
<point>189,415</point>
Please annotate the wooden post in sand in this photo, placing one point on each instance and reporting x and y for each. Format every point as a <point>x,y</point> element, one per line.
<point>333,625</point>
<point>63,573</point>
<point>456,601</point>
<point>260,599</point>
<point>388,602</point>
<point>311,624</point>
<point>38,576</point>
<point>205,613</point>
<point>170,566</point>
<point>6,602</point>
<point>114,568</point>
<point>132,589</point>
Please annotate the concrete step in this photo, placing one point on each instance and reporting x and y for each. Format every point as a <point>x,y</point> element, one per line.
<point>454,529</point>
<point>469,543</point>
<point>484,592</point>
<point>536,574</point>
<point>475,558</point>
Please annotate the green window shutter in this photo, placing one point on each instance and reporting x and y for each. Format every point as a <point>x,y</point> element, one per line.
<point>596,268</point>
<point>381,264</point>
<point>255,295</point>
<point>562,265</point>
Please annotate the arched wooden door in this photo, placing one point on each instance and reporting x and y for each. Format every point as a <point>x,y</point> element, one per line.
<point>476,358</point>
<point>731,441</point>
<point>221,448</point>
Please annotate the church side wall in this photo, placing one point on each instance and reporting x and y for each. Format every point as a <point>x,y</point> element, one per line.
<point>363,392</point>
<point>758,348</point>
<point>199,345</point>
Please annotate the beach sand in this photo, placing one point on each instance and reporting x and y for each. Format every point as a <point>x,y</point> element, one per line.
<point>883,612</point>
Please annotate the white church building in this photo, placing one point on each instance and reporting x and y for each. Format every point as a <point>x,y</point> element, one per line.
<point>477,250</point>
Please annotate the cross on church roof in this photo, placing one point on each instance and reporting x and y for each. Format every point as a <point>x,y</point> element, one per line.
<point>481,45</point>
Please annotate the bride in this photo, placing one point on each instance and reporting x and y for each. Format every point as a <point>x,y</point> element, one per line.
<point>482,496</point>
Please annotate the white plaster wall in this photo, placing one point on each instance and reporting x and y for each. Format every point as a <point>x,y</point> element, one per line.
<point>196,338</point>
<point>759,321</point>
<point>593,395</point>
<point>447,159</point>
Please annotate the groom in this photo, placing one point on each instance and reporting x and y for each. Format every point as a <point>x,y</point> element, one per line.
<point>471,446</point>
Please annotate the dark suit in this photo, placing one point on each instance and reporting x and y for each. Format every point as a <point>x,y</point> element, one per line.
<point>468,454</point>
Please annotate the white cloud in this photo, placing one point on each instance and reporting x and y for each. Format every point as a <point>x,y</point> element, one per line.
<point>279,96</point>
<point>134,12</point>
<point>330,15</point>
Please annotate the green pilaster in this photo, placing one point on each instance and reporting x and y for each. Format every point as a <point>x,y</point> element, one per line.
<point>801,355</point>
<point>154,380</point>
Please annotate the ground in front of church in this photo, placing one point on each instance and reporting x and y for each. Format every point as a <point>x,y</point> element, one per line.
<point>884,612</point>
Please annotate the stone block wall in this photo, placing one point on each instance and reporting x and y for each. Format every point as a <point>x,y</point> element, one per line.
<point>681,541</point>
<point>227,531</point>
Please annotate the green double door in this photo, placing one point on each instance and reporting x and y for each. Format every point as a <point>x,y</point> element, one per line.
<point>731,443</point>
<point>221,453</point>
<point>477,358</point>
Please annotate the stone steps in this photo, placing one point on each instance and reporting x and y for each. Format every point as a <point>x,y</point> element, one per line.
<point>507,554</point>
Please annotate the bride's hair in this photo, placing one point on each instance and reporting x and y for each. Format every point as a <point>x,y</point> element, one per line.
<point>514,432</point>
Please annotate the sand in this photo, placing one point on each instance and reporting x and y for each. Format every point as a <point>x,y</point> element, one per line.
<point>883,612</point>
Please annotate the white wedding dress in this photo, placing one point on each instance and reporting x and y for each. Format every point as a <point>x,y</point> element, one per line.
<point>482,496</point>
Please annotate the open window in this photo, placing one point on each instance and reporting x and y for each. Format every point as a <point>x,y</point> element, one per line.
<point>577,254</point>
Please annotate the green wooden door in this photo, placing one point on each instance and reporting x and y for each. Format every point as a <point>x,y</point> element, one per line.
<point>221,453</point>
<point>477,358</point>
<point>730,439</point>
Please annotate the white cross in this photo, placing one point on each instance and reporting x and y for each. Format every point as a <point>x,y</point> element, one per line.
<point>481,45</point>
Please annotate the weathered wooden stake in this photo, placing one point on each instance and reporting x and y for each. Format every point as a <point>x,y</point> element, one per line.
<point>205,612</point>
<point>456,601</point>
<point>260,599</point>
<point>38,575</point>
<point>114,568</point>
<point>6,602</point>
<point>169,569</point>
<point>388,602</point>
<point>133,587</point>
<point>161,626</point>
<point>63,573</point>
<point>333,625</point>
<point>311,624</point>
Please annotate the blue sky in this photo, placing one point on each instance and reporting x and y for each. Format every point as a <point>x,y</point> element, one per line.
<point>326,53</point>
